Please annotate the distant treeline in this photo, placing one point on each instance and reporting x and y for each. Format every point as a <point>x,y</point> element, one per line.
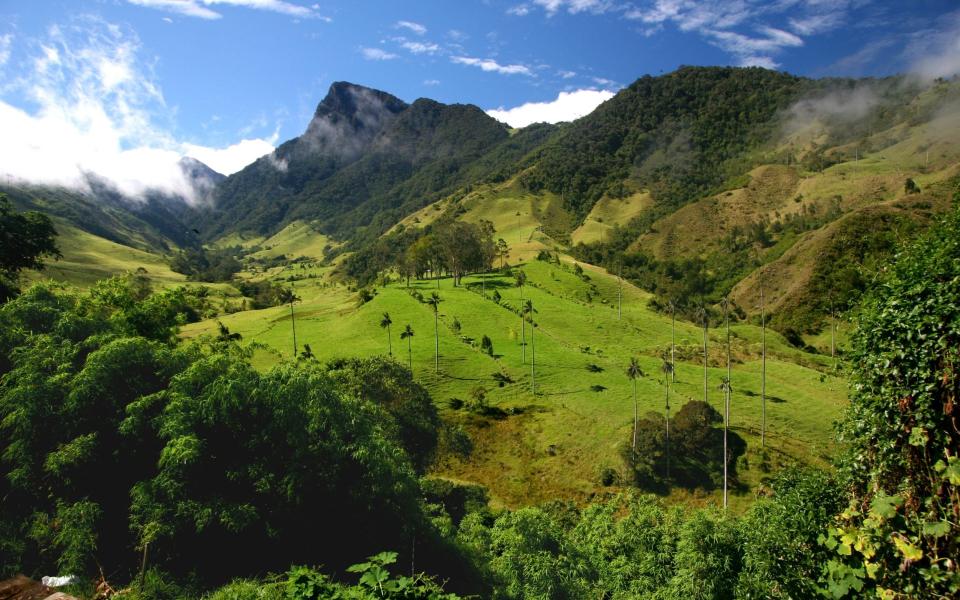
<point>447,246</point>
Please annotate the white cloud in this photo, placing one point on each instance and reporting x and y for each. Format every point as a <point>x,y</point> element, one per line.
<point>573,7</point>
<point>187,8</point>
<point>416,28</point>
<point>567,74</point>
<point>521,10</point>
<point>816,24</point>
<point>201,9</point>
<point>421,48</point>
<point>755,51</point>
<point>431,82</point>
<point>6,41</point>
<point>96,112</point>
<point>567,107</point>
<point>376,54</point>
<point>491,66</point>
<point>232,158</point>
<point>716,20</point>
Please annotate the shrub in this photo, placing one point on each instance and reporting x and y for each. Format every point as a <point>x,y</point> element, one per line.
<point>486,346</point>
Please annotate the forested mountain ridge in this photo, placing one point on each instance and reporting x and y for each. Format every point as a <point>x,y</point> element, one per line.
<point>365,161</point>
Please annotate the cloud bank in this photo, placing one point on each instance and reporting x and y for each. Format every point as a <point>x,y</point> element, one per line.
<point>88,106</point>
<point>567,107</point>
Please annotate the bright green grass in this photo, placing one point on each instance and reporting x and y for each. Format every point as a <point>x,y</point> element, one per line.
<point>607,213</point>
<point>567,433</point>
<point>88,258</point>
<point>295,240</point>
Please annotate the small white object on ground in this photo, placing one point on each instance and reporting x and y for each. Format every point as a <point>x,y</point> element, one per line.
<point>58,581</point>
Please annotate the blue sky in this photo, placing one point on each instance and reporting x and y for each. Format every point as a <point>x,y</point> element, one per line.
<point>120,86</point>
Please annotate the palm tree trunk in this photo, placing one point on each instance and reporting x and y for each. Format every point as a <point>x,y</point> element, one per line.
<point>389,342</point>
<point>523,339</point>
<point>533,363</point>
<point>705,326</point>
<point>673,343</point>
<point>620,293</point>
<point>667,412</point>
<point>636,415</point>
<point>436,336</point>
<point>726,409</point>
<point>293,325</point>
<point>763,372</point>
<point>410,355</point>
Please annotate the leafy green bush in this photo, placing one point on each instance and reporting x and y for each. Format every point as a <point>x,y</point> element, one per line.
<point>899,537</point>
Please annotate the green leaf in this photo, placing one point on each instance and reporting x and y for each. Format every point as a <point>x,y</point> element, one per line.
<point>936,528</point>
<point>907,549</point>
<point>384,558</point>
<point>885,506</point>
<point>918,437</point>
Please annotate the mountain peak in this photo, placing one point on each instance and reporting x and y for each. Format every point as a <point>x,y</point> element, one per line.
<point>350,100</point>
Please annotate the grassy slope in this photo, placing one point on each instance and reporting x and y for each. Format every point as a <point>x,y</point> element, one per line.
<point>88,258</point>
<point>567,432</point>
<point>607,213</point>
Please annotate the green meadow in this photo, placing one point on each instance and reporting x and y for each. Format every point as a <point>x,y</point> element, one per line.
<point>554,442</point>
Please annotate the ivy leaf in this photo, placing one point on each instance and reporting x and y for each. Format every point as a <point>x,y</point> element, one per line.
<point>907,549</point>
<point>936,528</point>
<point>949,470</point>
<point>885,506</point>
<point>918,437</point>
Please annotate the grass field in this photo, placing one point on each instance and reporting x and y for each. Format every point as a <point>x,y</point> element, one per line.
<point>88,258</point>
<point>562,436</point>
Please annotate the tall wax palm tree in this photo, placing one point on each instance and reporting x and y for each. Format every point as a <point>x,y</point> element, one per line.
<point>288,296</point>
<point>728,396</point>
<point>673,338</point>
<point>434,301</point>
<point>529,310</point>
<point>704,316</point>
<point>385,323</point>
<point>667,369</point>
<point>763,369</point>
<point>521,279</point>
<point>634,372</point>
<point>407,334</point>
<point>620,291</point>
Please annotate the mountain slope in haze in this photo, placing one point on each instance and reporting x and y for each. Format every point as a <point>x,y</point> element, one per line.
<point>155,221</point>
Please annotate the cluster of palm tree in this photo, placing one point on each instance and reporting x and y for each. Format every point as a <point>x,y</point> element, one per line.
<point>702,316</point>
<point>634,372</point>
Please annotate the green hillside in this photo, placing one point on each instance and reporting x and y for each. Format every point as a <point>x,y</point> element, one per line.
<point>555,443</point>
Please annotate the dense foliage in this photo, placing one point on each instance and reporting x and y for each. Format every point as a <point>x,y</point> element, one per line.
<point>671,134</point>
<point>633,546</point>
<point>119,444</point>
<point>25,240</point>
<point>203,264</point>
<point>445,246</point>
<point>692,456</point>
<point>900,536</point>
